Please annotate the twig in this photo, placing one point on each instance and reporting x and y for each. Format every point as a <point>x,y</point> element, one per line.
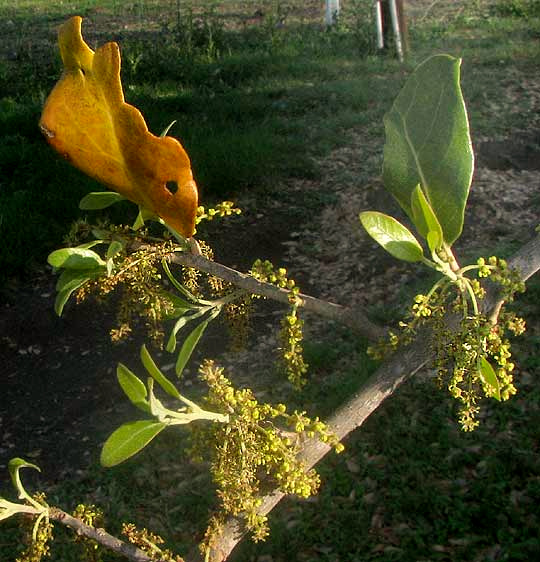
<point>354,318</point>
<point>129,551</point>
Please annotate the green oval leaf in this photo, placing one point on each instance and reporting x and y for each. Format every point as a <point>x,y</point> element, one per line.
<point>157,375</point>
<point>114,248</point>
<point>99,200</point>
<point>75,258</point>
<point>128,440</point>
<point>63,296</point>
<point>180,305</point>
<point>69,281</point>
<point>434,240</point>
<point>142,216</point>
<point>489,377</point>
<point>392,236</point>
<point>425,220</point>
<point>428,143</point>
<point>133,387</point>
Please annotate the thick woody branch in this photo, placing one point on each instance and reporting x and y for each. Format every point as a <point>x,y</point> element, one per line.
<point>353,318</point>
<point>129,551</point>
<point>527,259</point>
<point>381,385</point>
<point>349,417</point>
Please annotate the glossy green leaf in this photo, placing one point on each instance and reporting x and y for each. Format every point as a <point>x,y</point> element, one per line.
<point>392,236</point>
<point>75,258</point>
<point>142,216</point>
<point>69,281</point>
<point>425,220</point>
<point>133,387</point>
<point>434,240</point>
<point>71,277</point>
<point>428,143</point>
<point>192,340</point>
<point>128,440</point>
<point>490,377</point>
<point>63,296</point>
<point>99,200</point>
<point>167,129</point>
<point>91,244</point>
<point>176,283</point>
<point>157,375</point>
<point>180,305</point>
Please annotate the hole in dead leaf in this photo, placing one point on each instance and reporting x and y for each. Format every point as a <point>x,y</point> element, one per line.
<point>172,187</point>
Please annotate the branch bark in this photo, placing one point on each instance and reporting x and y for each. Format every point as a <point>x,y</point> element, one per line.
<point>358,408</point>
<point>354,318</point>
<point>527,259</point>
<point>127,550</point>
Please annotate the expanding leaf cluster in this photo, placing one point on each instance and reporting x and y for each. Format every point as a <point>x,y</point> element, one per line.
<point>428,164</point>
<point>467,349</point>
<point>133,436</point>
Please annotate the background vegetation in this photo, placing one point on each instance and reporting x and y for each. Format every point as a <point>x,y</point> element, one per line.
<point>262,93</point>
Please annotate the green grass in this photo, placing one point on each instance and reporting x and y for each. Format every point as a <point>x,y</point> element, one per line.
<point>251,107</point>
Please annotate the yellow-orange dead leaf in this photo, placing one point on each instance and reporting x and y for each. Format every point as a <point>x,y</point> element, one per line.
<point>86,119</point>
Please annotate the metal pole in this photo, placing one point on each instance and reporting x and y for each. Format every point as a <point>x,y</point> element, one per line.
<point>379,24</point>
<point>395,27</point>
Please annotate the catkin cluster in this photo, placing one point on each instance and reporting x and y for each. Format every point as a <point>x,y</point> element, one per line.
<point>255,451</point>
<point>461,353</point>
